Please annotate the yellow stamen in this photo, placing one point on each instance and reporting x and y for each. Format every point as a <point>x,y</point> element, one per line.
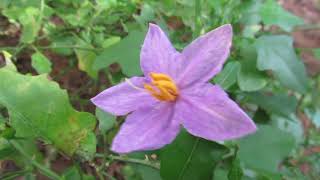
<point>162,87</point>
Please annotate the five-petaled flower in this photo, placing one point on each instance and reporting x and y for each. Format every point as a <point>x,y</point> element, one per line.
<point>175,92</point>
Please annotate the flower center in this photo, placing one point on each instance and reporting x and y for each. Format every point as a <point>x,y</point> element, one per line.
<point>162,87</point>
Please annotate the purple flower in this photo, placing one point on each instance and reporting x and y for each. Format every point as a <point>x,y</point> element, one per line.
<point>174,92</point>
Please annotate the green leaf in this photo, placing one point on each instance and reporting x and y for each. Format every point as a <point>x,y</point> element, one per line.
<point>228,76</point>
<point>147,14</point>
<point>273,14</point>
<point>265,149</point>
<point>110,41</point>
<point>190,157</point>
<point>276,53</point>
<point>86,58</point>
<point>126,53</point>
<point>280,104</point>
<point>106,120</point>
<point>31,23</point>
<point>38,108</point>
<point>41,63</point>
<point>249,78</point>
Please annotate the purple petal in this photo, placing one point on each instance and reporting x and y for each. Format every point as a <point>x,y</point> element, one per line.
<point>147,129</point>
<point>157,53</point>
<point>208,112</point>
<point>205,56</point>
<point>124,97</point>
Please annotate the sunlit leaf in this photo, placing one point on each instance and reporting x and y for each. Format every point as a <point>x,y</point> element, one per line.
<point>38,108</point>
<point>41,63</point>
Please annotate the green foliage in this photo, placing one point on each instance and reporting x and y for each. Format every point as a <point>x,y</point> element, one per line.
<point>272,13</point>
<point>276,53</point>
<point>41,63</point>
<point>228,76</point>
<point>55,121</point>
<point>264,75</point>
<point>190,157</point>
<point>126,53</point>
<point>265,149</point>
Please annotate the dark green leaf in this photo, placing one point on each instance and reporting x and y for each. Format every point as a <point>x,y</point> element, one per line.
<point>265,149</point>
<point>276,53</point>
<point>190,157</point>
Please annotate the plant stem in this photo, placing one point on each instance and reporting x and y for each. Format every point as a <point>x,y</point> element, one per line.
<point>154,165</point>
<point>44,170</point>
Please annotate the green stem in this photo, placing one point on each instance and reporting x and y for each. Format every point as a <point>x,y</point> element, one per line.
<point>154,165</point>
<point>15,174</point>
<point>44,170</point>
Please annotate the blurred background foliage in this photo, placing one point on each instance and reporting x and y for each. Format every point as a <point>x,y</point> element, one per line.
<point>57,54</point>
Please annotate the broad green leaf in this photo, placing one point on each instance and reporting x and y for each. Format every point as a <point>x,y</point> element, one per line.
<point>38,108</point>
<point>273,14</point>
<point>276,53</point>
<point>292,126</point>
<point>265,149</point>
<point>280,104</point>
<point>106,120</point>
<point>41,63</point>
<point>190,157</point>
<point>228,76</point>
<point>126,53</point>
<point>249,78</point>
<point>86,58</point>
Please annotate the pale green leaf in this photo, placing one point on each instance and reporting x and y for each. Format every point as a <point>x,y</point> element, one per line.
<point>265,149</point>
<point>249,78</point>
<point>106,120</point>
<point>276,53</point>
<point>273,14</point>
<point>41,63</point>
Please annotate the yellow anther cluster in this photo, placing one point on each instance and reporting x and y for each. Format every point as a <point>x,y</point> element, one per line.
<point>162,87</point>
